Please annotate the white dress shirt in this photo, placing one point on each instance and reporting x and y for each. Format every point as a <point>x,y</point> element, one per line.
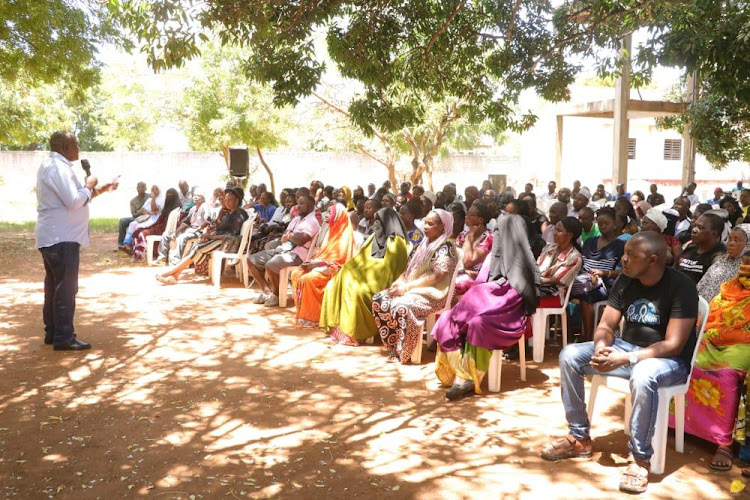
<point>62,204</point>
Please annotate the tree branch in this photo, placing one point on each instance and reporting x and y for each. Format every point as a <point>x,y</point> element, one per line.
<point>367,152</point>
<point>379,135</point>
<point>268,169</point>
<point>444,26</point>
<point>512,23</point>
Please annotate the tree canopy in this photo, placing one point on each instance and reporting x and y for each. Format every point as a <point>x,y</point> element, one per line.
<point>483,53</point>
<point>54,40</point>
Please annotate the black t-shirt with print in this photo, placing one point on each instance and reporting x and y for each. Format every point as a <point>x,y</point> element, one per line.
<point>695,264</point>
<point>647,310</point>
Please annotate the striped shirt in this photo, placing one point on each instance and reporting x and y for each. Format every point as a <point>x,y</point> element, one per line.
<point>562,266</point>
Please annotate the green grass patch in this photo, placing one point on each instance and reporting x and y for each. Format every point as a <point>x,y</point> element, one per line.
<point>100,225</point>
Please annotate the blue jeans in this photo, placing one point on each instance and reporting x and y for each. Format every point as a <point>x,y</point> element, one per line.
<point>60,289</point>
<point>646,377</point>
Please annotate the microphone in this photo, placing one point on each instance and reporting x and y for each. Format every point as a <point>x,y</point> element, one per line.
<point>86,167</point>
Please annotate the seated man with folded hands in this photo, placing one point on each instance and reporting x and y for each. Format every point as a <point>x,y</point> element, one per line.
<point>660,307</point>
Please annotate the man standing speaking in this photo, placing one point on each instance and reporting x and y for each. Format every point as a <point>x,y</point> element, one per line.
<point>62,227</point>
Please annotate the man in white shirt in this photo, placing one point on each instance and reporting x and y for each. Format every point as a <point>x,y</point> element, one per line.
<point>690,194</point>
<point>186,197</point>
<point>551,193</point>
<point>62,227</point>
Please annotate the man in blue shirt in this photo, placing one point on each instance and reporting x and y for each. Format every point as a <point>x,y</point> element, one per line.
<point>62,227</point>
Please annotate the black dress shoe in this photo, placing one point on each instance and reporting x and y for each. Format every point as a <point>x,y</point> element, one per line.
<point>73,345</point>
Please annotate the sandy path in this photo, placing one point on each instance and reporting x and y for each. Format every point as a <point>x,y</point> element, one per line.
<point>193,392</point>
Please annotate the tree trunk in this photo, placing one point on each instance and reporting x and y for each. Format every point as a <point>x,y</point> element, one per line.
<point>268,170</point>
<point>428,174</point>
<point>225,154</point>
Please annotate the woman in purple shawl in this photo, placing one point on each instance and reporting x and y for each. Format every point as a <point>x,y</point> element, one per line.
<point>490,315</point>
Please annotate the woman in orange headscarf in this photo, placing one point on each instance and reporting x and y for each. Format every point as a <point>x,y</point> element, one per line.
<point>309,281</point>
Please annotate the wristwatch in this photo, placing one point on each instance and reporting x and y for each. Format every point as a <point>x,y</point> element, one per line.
<point>633,357</point>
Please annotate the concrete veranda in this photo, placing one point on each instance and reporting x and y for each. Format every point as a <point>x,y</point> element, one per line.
<point>193,392</point>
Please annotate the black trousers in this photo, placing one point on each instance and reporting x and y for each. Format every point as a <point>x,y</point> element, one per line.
<point>60,289</point>
<point>124,223</point>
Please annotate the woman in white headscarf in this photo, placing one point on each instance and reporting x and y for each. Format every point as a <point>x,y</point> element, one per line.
<point>400,311</point>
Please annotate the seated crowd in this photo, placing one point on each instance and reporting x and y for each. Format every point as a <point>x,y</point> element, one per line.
<point>377,264</point>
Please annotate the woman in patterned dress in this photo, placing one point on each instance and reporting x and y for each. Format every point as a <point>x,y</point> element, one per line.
<point>400,311</point>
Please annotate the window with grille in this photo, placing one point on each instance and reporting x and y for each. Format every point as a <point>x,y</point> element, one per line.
<point>672,149</point>
<point>631,149</point>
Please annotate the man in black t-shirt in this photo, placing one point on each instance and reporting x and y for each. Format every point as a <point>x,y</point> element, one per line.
<point>704,249</point>
<point>660,307</point>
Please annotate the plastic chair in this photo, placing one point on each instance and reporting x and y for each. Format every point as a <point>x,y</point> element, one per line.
<point>539,324</point>
<point>496,365</point>
<point>218,256</point>
<point>286,272</point>
<point>659,440</point>
<point>416,355</point>
<point>597,311</point>
<point>152,240</point>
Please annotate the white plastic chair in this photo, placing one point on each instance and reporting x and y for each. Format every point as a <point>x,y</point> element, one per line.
<point>286,272</point>
<point>496,365</point>
<point>416,355</point>
<point>218,256</point>
<point>152,240</point>
<point>539,324</point>
<point>598,306</point>
<point>659,440</point>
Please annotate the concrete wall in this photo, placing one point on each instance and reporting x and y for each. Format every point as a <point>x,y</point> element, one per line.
<point>207,170</point>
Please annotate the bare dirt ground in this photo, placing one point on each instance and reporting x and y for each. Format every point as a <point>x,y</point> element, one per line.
<point>192,392</point>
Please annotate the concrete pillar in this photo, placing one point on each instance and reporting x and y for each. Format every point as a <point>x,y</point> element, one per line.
<point>688,146</point>
<point>559,151</point>
<point>621,123</point>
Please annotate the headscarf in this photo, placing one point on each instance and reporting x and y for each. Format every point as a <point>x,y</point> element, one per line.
<point>723,269</point>
<point>387,223</point>
<point>390,196</point>
<point>657,218</point>
<point>348,198</point>
<point>512,260</point>
<point>339,245</point>
<point>427,248</point>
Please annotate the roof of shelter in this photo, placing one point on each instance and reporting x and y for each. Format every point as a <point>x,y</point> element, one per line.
<point>637,108</point>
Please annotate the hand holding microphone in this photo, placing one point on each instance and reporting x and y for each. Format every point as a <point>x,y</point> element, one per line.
<point>91,181</point>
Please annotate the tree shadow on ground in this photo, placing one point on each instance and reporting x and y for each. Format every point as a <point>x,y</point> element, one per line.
<point>192,390</point>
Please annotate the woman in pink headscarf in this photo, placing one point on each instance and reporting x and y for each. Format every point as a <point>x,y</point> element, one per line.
<point>400,311</point>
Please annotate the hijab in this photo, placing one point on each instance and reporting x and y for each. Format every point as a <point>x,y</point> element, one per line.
<point>427,248</point>
<point>723,269</point>
<point>339,244</point>
<point>512,260</point>
<point>387,223</point>
<point>348,198</point>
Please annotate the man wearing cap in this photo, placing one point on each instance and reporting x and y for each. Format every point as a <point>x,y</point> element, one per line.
<point>718,195</point>
<point>580,200</point>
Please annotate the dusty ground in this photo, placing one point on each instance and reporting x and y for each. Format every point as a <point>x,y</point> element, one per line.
<point>193,392</point>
